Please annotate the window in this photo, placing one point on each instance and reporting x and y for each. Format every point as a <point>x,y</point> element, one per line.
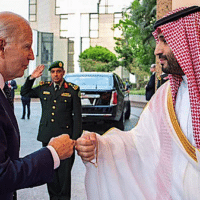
<point>47,47</point>
<point>70,59</point>
<point>118,81</point>
<point>57,7</point>
<point>32,10</point>
<point>63,26</point>
<point>117,17</point>
<point>46,52</point>
<point>106,7</point>
<point>85,18</point>
<point>94,25</point>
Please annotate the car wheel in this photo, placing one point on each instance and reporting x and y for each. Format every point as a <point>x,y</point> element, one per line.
<point>120,123</point>
<point>128,112</point>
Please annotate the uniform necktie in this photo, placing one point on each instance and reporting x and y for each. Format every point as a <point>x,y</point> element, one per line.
<point>56,87</point>
<point>7,92</point>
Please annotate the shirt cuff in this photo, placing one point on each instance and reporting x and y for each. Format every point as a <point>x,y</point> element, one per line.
<point>55,157</point>
<point>30,78</point>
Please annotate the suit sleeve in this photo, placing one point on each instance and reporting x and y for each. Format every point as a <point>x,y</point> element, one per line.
<point>28,91</point>
<point>77,118</point>
<point>32,170</point>
<point>151,83</point>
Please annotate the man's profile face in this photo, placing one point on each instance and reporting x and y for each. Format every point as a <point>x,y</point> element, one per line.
<point>167,59</point>
<point>57,75</point>
<point>18,52</point>
<point>152,69</point>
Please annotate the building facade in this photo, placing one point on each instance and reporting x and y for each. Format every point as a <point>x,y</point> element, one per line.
<point>62,31</point>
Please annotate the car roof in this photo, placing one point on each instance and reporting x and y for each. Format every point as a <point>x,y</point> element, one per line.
<point>90,74</point>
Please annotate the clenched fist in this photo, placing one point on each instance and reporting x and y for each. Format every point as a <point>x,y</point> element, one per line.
<point>86,146</point>
<point>63,146</point>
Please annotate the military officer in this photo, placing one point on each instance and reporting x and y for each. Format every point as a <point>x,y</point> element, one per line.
<point>61,113</point>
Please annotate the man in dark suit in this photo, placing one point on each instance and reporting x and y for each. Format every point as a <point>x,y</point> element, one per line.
<point>61,113</point>
<point>150,88</point>
<point>36,168</point>
<point>13,86</point>
<point>162,79</point>
<point>26,102</point>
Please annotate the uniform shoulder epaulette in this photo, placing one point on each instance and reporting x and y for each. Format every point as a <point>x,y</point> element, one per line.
<point>75,87</point>
<point>45,83</point>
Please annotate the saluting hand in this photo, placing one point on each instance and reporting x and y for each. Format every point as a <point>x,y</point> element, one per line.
<point>86,146</point>
<point>38,71</point>
<point>63,145</point>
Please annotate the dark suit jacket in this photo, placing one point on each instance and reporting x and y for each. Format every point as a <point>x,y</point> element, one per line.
<point>150,89</point>
<point>61,110</point>
<point>14,87</point>
<point>162,79</point>
<point>17,173</point>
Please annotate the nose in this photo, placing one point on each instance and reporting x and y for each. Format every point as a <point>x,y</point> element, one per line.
<point>31,55</point>
<point>159,48</point>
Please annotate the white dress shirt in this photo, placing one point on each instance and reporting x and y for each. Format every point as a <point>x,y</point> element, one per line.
<point>183,111</point>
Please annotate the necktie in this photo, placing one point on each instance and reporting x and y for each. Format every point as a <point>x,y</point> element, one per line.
<point>9,84</point>
<point>56,87</point>
<point>7,92</point>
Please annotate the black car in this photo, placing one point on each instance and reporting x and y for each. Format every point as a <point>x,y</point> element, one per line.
<point>103,97</point>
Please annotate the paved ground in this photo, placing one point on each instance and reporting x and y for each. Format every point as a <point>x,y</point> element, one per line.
<point>29,144</point>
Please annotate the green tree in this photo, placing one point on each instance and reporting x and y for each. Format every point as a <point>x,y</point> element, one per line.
<point>137,42</point>
<point>98,59</point>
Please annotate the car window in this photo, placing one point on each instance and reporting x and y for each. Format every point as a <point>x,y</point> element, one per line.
<point>119,82</point>
<point>91,82</point>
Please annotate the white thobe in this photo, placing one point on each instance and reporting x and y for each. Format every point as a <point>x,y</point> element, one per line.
<point>154,160</point>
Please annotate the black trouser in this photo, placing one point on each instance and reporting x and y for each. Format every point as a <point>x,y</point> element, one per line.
<point>60,187</point>
<point>26,103</point>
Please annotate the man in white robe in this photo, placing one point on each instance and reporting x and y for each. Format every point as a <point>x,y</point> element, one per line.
<point>160,157</point>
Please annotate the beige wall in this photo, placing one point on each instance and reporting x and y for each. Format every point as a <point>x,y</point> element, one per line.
<point>106,35</point>
<point>183,3</point>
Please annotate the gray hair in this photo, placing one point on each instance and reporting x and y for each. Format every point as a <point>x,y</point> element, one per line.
<point>153,65</point>
<point>9,25</point>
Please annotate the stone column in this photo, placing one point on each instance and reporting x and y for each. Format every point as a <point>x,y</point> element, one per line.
<point>184,3</point>
<point>163,7</point>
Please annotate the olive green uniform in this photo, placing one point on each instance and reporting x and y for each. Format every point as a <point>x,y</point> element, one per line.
<point>61,113</point>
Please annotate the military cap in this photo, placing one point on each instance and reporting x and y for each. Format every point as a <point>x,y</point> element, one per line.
<point>56,64</point>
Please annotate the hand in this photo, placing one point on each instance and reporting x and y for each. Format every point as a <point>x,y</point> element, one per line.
<point>63,146</point>
<point>38,71</point>
<point>86,146</point>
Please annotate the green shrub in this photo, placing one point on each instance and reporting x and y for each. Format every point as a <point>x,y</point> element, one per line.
<point>98,53</point>
<point>134,91</point>
<point>98,59</point>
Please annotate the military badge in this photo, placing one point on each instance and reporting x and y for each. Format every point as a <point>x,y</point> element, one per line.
<point>75,87</point>
<point>66,95</point>
<point>41,82</point>
<point>44,83</point>
<point>65,85</point>
<point>46,92</point>
<point>60,64</point>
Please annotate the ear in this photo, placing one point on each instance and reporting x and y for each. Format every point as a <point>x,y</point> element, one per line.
<point>2,45</point>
